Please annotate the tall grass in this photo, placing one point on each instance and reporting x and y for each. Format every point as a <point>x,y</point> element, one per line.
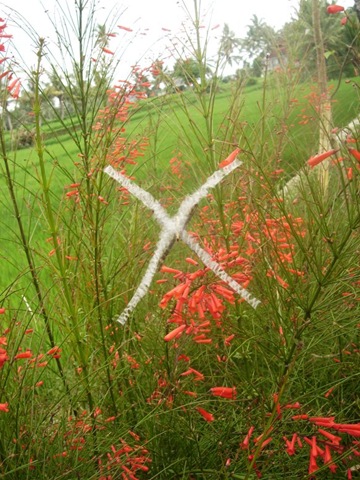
<point>197,383</point>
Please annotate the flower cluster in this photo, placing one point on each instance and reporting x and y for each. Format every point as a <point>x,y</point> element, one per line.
<point>125,461</point>
<point>323,445</point>
<point>13,83</point>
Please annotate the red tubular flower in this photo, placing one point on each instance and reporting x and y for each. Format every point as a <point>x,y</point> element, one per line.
<point>230,158</point>
<point>245,444</point>
<point>166,269</point>
<point>349,428</point>
<point>191,261</point>
<point>333,438</point>
<point>174,333</point>
<point>209,417</point>
<point>16,91</point>
<point>314,451</point>
<point>106,50</point>
<point>27,354</point>
<point>328,459</point>
<point>266,442</point>
<point>323,421</point>
<point>4,407</point>
<point>332,9</point>
<point>292,406</point>
<point>53,351</point>
<point>3,357</point>
<point>313,161</point>
<point>127,29</point>
<point>191,371</point>
<point>109,419</point>
<point>290,445</point>
<point>229,339</point>
<point>300,417</point>
<point>224,392</point>
<point>312,465</point>
<point>329,392</point>
<point>355,153</point>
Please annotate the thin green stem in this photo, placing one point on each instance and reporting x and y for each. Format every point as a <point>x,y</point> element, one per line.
<point>53,227</point>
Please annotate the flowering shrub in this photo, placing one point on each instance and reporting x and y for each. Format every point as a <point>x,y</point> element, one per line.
<point>236,353</point>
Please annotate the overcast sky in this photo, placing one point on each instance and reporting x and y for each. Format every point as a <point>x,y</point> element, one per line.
<point>149,20</point>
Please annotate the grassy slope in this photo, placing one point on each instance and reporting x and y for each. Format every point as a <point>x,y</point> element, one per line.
<point>165,123</point>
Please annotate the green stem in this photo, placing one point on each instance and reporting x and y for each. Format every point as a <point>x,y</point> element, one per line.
<point>29,258</point>
<point>295,349</point>
<point>45,185</point>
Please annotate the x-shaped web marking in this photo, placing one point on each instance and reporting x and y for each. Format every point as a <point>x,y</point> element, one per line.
<point>174,228</point>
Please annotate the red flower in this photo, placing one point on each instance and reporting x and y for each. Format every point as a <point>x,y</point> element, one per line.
<point>229,159</point>
<point>21,355</point>
<point>229,339</point>
<point>245,444</point>
<point>16,91</point>
<point>106,50</point>
<point>109,419</point>
<point>4,407</point>
<point>127,29</point>
<point>3,357</point>
<point>292,405</point>
<point>333,438</point>
<point>300,417</point>
<point>349,428</point>
<point>355,153</point>
<point>209,417</point>
<point>198,376</point>
<point>313,454</point>
<point>313,161</point>
<point>328,459</point>
<point>174,333</point>
<point>53,351</point>
<point>290,445</point>
<point>14,88</point>
<point>323,421</point>
<point>224,392</point>
<point>335,9</point>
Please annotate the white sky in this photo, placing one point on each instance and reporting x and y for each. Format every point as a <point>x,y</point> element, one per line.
<point>147,18</point>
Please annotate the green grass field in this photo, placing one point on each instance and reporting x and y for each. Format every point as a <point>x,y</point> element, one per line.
<point>165,120</point>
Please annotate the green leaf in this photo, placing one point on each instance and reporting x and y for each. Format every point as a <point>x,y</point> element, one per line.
<point>328,54</point>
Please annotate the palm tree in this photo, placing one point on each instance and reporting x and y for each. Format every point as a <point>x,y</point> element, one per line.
<point>260,38</point>
<point>228,45</point>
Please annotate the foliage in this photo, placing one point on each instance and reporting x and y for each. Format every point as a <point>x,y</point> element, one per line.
<point>187,70</point>
<point>197,383</point>
<point>301,44</point>
<point>229,46</point>
<point>260,38</point>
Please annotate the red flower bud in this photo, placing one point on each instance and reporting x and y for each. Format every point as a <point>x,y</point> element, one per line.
<point>335,9</point>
